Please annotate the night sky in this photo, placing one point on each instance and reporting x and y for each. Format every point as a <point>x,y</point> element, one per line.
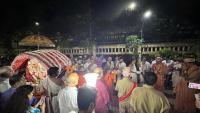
<point>59,15</point>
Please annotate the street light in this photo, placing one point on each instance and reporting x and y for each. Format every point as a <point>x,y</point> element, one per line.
<point>146,15</point>
<point>132,6</point>
<point>37,23</point>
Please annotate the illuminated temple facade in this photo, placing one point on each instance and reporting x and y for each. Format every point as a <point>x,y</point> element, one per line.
<point>117,49</point>
<point>114,44</point>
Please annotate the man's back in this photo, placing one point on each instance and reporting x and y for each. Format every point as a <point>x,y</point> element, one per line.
<point>67,99</point>
<point>146,99</point>
<point>123,86</point>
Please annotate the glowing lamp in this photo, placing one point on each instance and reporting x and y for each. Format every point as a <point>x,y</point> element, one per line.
<point>37,23</point>
<point>147,14</point>
<point>91,79</point>
<point>132,6</point>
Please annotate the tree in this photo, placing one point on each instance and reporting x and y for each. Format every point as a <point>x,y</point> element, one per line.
<point>133,42</point>
<point>168,53</point>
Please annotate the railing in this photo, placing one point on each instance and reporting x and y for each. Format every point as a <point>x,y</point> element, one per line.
<point>117,49</point>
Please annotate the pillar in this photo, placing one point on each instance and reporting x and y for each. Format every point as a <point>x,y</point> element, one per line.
<point>94,50</point>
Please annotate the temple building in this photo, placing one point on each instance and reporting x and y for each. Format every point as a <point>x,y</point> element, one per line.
<point>114,44</point>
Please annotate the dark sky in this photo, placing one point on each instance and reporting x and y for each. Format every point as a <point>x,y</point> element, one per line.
<point>21,14</point>
<point>181,9</point>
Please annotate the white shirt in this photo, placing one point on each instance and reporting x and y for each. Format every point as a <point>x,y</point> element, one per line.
<point>86,66</point>
<point>67,99</point>
<point>133,68</point>
<point>176,66</point>
<point>110,65</point>
<point>122,65</point>
<point>145,67</point>
<point>168,63</point>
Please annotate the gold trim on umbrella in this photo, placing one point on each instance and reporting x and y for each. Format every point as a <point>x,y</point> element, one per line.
<point>36,40</point>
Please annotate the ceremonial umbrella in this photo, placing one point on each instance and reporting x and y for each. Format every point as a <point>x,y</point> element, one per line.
<point>36,41</point>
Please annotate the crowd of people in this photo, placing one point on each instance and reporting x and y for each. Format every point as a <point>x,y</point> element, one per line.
<point>104,85</point>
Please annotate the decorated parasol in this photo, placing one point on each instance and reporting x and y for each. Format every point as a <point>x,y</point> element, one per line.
<point>36,63</point>
<point>37,41</point>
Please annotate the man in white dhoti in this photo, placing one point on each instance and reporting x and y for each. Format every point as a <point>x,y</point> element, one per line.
<point>133,71</point>
<point>121,66</point>
<point>110,63</point>
<point>85,66</point>
<point>67,97</point>
<point>145,66</point>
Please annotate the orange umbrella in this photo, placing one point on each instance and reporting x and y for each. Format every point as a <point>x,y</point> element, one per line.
<point>36,40</point>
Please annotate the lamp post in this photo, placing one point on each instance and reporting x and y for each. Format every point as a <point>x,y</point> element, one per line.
<point>132,6</point>
<point>146,15</point>
<point>37,24</point>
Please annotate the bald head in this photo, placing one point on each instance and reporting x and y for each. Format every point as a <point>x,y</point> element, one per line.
<point>99,71</point>
<point>72,80</point>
